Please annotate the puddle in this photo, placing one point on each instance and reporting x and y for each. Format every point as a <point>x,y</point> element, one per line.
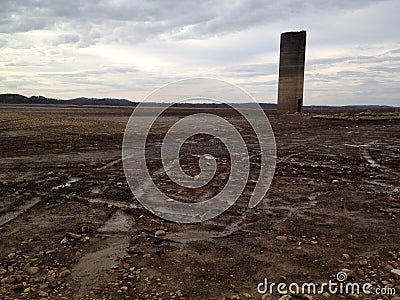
<point>9,216</point>
<point>119,222</point>
<point>67,184</point>
<point>92,268</point>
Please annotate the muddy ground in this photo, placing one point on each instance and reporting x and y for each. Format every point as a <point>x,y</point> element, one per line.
<point>72,229</point>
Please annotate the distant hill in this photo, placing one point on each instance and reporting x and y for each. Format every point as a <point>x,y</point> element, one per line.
<point>20,99</point>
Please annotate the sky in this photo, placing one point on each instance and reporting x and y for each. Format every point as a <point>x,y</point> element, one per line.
<point>128,48</point>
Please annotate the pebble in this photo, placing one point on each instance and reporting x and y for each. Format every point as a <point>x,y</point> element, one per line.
<point>247,295</point>
<point>326,295</point>
<point>311,182</point>
<point>346,256</point>
<point>32,270</point>
<point>285,297</point>
<point>64,273</point>
<point>395,273</point>
<point>43,294</point>
<point>363,262</point>
<point>160,233</point>
<point>73,235</point>
<point>282,238</point>
<point>266,297</point>
<point>3,271</point>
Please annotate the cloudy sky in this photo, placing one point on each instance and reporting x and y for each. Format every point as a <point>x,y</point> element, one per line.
<point>128,48</point>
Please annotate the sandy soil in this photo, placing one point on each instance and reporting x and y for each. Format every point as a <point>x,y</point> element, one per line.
<point>71,228</point>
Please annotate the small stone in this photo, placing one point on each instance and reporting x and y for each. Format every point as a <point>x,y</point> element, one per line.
<point>395,273</point>
<point>124,288</point>
<point>326,295</point>
<point>311,182</point>
<point>335,181</point>
<point>3,271</point>
<point>349,273</point>
<point>64,273</point>
<point>11,255</point>
<point>282,238</point>
<point>8,280</point>
<point>266,297</point>
<point>388,267</point>
<point>32,270</point>
<point>43,294</point>
<point>86,239</point>
<point>350,236</point>
<point>27,290</point>
<point>188,269</point>
<point>363,262</point>
<point>360,272</point>
<point>247,295</point>
<point>269,212</point>
<point>346,256</point>
<point>73,235</point>
<point>160,233</point>
<point>285,297</point>
<point>235,297</point>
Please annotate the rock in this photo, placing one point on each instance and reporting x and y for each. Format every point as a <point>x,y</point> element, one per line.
<point>235,297</point>
<point>32,270</point>
<point>73,235</point>
<point>363,262</point>
<point>11,255</point>
<point>282,238</point>
<point>8,280</point>
<point>27,290</point>
<point>160,233</point>
<point>43,294</point>
<point>188,269</point>
<point>346,256</point>
<point>349,273</point>
<point>285,297</point>
<point>124,288</point>
<point>266,297</point>
<point>335,181</point>
<point>350,236</point>
<point>18,278</point>
<point>17,287</point>
<point>86,239</point>
<point>395,273</point>
<point>311,182</point>
<point>269,212</point>
<point>247,295</point>
<point>360,272</point>
<point>64,273</point>
<point>326,295</point>
<point>3,271</point>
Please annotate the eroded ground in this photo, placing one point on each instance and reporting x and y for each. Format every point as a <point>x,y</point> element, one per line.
<point>71,228</point>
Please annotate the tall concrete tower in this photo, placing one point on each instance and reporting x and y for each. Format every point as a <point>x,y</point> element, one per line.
<point>291,71</point>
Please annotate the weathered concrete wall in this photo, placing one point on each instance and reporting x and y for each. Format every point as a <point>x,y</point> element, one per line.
<point>291,71</point>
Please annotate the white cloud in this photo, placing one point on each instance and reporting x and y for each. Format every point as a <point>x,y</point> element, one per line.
<point>124,48</point>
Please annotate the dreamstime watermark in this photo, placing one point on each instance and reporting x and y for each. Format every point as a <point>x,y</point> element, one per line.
<point>197,89</point>
<point>333,287</point>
